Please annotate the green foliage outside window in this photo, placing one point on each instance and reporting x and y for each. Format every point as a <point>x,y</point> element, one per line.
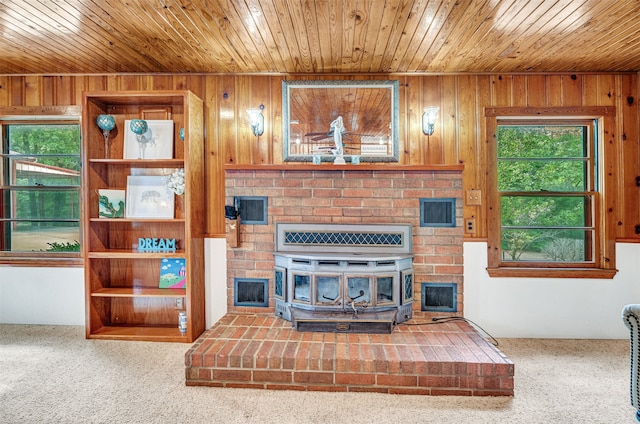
<point>545,201</point>
<point>42,177</point>
<point>48,139</point>
<point>64,247</point>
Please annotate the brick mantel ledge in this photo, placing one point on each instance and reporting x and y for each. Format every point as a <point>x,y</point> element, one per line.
<point>304,166</point>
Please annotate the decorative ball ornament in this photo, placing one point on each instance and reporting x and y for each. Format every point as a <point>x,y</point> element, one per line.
<point>139,126</point>
<point>106,123</point>
<point>182,134</point>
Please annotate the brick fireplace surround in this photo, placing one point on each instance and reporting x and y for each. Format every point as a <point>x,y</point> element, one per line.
<point>251,347</point>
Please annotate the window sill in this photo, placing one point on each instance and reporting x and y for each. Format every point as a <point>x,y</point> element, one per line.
<point>597,273</point>
<point>42,262</point>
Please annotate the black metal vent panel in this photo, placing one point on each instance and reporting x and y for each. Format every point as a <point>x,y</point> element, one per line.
<point>439,297</point>
<point>253,209</point>
<point>251,292</point>
<point>375,238</point>
<point>354,238</point>
<point>438,212</point>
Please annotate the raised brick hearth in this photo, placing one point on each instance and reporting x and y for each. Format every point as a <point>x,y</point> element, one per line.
<point>251,347</point>
<point>265,352</point>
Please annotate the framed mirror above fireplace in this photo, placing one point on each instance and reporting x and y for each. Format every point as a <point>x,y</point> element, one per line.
<point>368,111</point>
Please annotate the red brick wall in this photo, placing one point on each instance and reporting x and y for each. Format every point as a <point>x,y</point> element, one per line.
<point>347,196</point>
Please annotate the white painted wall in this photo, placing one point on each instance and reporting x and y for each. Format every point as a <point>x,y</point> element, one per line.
<point>550,307</point>
<point>55,296</point>
<point>504,307</point>
<point>215,275</point>
<point>42,295</point>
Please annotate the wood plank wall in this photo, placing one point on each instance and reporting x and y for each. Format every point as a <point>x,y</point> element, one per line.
<point>459,134</point>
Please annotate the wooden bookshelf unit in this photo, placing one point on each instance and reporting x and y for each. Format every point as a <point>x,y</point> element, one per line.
<point>122,295</point>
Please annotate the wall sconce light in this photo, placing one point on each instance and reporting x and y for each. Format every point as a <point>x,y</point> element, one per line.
<point>429,119</point>
<point>256,120</point>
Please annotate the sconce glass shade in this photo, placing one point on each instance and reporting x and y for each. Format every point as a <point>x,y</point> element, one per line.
<point>256,120</point>
<point>429,119</point>
<point>139,126</point>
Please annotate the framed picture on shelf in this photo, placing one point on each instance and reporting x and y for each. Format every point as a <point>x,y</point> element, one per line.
<point>156,143</point>
<point>111,203</point>
<point>147,197</point>
<point>173,273</point>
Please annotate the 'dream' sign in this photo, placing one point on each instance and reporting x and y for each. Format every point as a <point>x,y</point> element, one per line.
<point>148,244</point>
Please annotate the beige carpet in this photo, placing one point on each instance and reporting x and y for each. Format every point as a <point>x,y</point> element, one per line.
<point>52,374</point>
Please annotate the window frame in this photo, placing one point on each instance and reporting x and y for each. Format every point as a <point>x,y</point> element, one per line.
<point>54,115</point>
<point>603,265</point>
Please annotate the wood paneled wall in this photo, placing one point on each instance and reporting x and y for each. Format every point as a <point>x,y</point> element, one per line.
<point>459,134</point>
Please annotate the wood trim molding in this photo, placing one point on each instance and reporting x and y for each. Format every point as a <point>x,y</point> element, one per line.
<point>11,112</point>
<point>597,273</point>
<point>42,262</point>
<point>361,167</point>
<point>546,112</point>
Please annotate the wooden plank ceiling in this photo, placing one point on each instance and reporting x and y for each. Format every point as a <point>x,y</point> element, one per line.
<point>323,36</point>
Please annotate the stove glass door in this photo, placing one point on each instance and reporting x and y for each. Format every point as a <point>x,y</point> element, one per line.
<point>328,289</point>
<point>385,290</point>
<point>301,288</point>
<point>358,290</point>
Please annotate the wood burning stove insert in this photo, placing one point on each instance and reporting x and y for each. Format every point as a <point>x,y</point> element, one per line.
<point>344,278</point>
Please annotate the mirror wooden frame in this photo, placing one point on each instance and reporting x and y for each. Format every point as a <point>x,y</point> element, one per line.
<point>369,111</point>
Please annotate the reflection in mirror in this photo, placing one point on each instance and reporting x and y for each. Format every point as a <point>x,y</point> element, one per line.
<point>337,120</point>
